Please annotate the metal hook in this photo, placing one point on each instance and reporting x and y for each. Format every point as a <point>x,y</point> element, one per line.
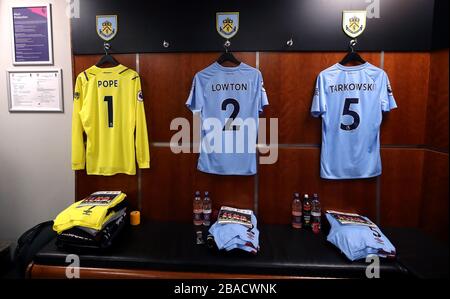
<point>106,47</point>
<point>352,44</point>
<point>166,44</point>
<point>290,42</point>
<point>227,44</point>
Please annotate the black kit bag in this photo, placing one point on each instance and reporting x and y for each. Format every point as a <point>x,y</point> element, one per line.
<point>29,244</point>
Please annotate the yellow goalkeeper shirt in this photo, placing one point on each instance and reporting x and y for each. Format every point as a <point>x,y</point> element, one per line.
<point>90,212</point>
<point>108,107</point>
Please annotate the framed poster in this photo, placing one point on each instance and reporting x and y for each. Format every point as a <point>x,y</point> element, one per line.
<point>35,90</point>
<point>32,41</point>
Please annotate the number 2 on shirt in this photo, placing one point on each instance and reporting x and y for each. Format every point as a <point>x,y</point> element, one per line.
<point>228,125</point>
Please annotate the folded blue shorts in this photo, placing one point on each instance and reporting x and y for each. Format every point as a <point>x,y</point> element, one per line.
<point>359,241</point>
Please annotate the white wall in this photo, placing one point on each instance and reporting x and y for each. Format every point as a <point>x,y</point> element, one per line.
<point>36,180</point>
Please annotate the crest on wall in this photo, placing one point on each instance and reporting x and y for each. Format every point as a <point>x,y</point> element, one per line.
<point>107,27</point>
<point>354,22</point>
<point>227,24</point>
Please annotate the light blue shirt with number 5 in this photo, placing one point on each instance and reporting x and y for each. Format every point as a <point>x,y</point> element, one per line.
<point>351,101</point>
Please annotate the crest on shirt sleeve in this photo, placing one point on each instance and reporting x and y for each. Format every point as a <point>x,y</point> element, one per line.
<point>76,96</point>
<point>316,92</point>
<point>389,90</point>
<point>140,96</point>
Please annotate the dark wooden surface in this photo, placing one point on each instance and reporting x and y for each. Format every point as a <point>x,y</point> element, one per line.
<point>434,206</point>
<point>408,74</point>
<point>58,272</point>
<point>435,213</point>
<point>437,116</point>
<point>171,246</point>
<point>401,187</point>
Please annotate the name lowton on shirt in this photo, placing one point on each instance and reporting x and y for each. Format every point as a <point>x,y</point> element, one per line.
<point>229,86</point>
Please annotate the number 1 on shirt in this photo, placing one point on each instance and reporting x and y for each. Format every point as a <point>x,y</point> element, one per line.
<point>109,99</point>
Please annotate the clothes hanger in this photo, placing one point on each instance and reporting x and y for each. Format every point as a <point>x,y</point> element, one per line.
<point>107,58</point>
<point>227,56</point>
<point>352,56</point>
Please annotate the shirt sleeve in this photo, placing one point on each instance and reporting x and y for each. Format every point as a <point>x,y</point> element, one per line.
<point>387,96</point>
<point>78,147</point>
<point>261,94</point>
<point>141,136</point>
<point>196,100</point>
<point>319,105</point>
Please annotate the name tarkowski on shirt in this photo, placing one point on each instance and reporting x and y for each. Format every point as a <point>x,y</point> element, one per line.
<point>352,87</point>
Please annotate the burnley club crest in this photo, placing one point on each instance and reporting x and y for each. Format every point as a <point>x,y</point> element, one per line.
<point>107,27</point>
<point>227,24</point>
<point>354,22</point>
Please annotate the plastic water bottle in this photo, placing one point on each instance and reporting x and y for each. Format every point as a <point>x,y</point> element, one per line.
<point>316,214</point>
<point>306,211</point>
<point>207,209</point>
<point>198,209</point>
<point>296,211</point>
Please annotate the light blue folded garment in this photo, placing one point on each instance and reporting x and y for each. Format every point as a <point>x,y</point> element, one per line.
<point>225,234</point>
<point>238,241</point>
<point>359,241</point>
<point>242,247</point>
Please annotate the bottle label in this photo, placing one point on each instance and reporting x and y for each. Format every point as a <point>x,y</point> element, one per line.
<point>197,218</point>
<point>316,214</point>
<point>316,227</point>
<point>307,219</point>
<point>296,221</point>
<point>296,213</point>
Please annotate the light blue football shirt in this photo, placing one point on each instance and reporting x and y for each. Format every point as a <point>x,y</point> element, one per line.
<point>350,100</point>
<point>228,234</point>
<point>229,100</point>
<point>359,241</point>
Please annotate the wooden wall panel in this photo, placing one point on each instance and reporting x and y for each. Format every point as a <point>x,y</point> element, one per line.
<point>235,191</point>
<point>435,204</point>
<point>168,186</point>
<point>401,187</point>
<point>86,184</point>
<point>167,80</point>
<point>409,76</point>
<point>297,170</point>
<point>437,117</point>
<point>289,79</point>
